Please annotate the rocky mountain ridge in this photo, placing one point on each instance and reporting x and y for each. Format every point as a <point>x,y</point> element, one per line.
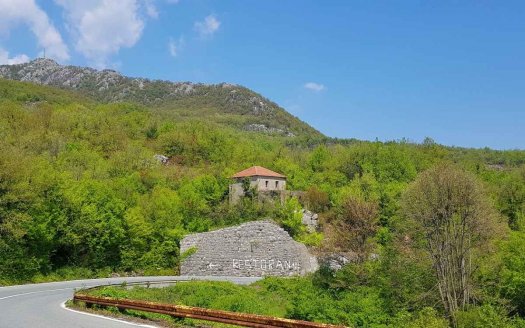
<point>259,113</point>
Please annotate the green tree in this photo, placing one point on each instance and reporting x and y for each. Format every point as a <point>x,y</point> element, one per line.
<point>455,219</point>
<point>512,275</point>
<point>290,216</point>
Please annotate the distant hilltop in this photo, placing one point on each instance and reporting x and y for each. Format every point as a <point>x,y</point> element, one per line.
<point>110,86</point>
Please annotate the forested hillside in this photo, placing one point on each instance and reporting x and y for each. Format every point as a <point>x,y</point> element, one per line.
<point>227,104</point>
<point>81,194</point>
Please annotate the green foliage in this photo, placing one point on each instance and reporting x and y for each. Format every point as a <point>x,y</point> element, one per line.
<point>511,197</point>
<point>425,318</point>
<point>189,252</point>
<point>82,195</point>
<point>512,280</point>
<point>296,298</point>
<point>487,316</point>
<point>290,217</point>
<point>313,239</point>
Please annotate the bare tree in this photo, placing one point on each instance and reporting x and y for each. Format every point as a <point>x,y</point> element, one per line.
<point>455,218</point>
<point>353,225</point>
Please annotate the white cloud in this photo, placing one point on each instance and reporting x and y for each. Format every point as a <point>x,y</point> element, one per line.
<point>102,27</point>
<point>18,59</point>
<point>316,87</point>
<point>208,27</point>
<point>175,46</point>
<point>27,12</point>
<point>151,9</point>
<point>172,48</point>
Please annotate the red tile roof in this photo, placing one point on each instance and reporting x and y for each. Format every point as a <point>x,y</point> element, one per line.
<point>257,171</point>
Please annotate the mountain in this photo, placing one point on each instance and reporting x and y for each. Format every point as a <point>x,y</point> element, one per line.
<point>225,103</point>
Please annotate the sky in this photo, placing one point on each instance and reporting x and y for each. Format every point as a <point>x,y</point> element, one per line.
<point>387,70</point>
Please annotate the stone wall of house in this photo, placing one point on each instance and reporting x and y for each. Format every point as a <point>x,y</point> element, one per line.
<point>253,249</point>
<point>270,184</point>
<point>236,192</point>
<point>268,188</point>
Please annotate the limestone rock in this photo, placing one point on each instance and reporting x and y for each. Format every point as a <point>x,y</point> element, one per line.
<point>310,220</point>
<point>161,158</point>
<point>267,129</point>
<point>108,85</point>
<point>336,261</point>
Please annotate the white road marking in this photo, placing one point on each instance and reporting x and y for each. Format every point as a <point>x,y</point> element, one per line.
<point>37,292</point>
<point>63,305</point>
<point>102,282</point>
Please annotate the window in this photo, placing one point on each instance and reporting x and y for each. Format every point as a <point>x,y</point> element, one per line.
<point>276,184</point>
<point>266,183</point>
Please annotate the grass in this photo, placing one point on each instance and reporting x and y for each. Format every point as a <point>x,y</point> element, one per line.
<point>301,298</point>
<point>213,295</point>
<point>78,273</point>
<point>293,298</point>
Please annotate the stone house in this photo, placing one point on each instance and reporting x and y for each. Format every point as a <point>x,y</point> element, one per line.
<point>258,178</point>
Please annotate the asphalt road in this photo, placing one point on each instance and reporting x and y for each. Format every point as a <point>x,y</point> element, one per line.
<point>41,305</point>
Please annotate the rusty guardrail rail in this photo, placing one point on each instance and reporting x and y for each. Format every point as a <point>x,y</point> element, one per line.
<point>182,311</point>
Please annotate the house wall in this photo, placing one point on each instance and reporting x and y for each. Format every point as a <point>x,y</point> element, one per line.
<point>270,184</point>
<point>261,184</point>
<point>236,192</point>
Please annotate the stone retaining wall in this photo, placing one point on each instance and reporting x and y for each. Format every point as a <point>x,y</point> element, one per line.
<point>253,249</point>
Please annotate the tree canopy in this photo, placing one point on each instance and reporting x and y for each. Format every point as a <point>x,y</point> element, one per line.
<point>82,194</point>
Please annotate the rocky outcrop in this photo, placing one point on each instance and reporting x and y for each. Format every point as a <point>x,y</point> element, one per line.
<point>110,86</point>
<point>336,261</point>
<point>48,72</point>
<point>310,220</point>
<point>161,158</point>
<point>259,248</point>
<point>269,130</point>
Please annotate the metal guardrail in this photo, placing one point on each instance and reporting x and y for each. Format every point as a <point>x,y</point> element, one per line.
<point>182,311</point>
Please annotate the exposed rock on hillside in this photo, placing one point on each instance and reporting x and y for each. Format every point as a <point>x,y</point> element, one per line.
<point>266,129</point>
<point>107,85</point>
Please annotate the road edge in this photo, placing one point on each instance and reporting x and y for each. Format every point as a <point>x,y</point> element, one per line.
<point>63,306</point>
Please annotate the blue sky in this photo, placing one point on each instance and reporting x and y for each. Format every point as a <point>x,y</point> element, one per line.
<point>450,70</point>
